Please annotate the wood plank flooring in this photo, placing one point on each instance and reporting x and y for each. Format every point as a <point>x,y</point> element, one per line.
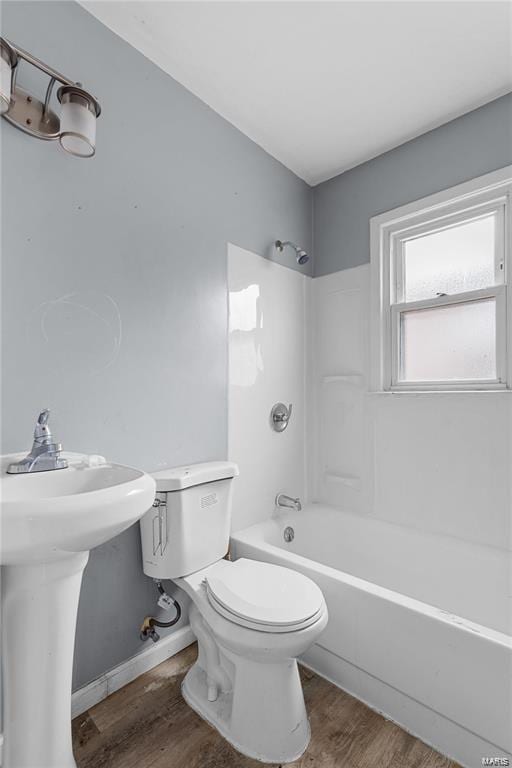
<point>147,724</point>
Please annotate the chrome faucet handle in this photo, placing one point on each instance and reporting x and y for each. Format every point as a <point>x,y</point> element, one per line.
<point>287,416</point>
<point>43,416</point>
<point>280,416</point>
<point>42,430</point>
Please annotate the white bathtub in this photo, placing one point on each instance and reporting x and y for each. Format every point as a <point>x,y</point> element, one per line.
<point>419,625</point>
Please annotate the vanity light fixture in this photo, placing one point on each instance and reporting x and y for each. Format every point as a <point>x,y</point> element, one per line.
<point>8,61</point>
<point>76,127</point>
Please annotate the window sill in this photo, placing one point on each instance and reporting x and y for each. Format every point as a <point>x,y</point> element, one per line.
<point>409,392</point>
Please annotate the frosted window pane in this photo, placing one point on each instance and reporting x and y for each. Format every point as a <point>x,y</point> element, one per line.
<point>449,343</point>
<point>451,261</point>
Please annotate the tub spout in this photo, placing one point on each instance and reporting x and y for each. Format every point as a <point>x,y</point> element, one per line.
<point>282,500</point>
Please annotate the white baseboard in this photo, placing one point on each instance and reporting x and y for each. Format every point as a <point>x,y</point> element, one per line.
<point>444,735</point>
<point>86,697</point>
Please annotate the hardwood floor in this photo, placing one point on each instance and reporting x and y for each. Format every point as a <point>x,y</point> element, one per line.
<point>148,725</point>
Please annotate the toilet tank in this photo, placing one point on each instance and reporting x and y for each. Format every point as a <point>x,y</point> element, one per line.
<point>188,526</point>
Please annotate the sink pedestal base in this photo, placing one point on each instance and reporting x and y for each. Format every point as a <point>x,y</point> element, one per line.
<point>39,609</point>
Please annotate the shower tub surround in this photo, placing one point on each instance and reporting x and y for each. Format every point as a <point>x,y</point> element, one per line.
<point>397,646</point>
<point>267,359</point>
<point>406,497</point>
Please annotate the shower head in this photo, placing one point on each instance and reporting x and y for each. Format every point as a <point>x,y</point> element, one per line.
<point>300,254</point>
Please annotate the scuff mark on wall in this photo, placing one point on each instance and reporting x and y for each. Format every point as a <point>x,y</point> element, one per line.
<point>86,320</point>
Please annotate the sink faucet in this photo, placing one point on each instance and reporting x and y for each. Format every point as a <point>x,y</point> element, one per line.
<point>44,455</point>
<point>282,500</point>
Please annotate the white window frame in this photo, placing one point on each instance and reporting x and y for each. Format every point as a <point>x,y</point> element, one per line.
<point>388,232</point>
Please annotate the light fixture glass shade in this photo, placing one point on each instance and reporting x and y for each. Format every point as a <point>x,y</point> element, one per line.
<point>7,61</point>
<point>77,122</point>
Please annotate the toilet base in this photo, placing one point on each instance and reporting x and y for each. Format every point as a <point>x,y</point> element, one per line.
<point>267,720</point>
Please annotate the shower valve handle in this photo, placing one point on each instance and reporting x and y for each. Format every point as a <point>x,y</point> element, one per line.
<point>284,415</point>
<point>280,416</point>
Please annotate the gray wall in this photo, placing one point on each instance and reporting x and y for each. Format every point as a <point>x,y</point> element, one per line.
<point>469,146</point>
<point>114,270</point>
<point>114,304</point>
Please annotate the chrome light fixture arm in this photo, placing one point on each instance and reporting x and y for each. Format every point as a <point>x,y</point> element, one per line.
<point>76,128</point>
<point>48,96</point>
<point>35,62</point>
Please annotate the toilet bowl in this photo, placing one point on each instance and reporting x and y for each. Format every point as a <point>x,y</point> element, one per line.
<point>251,619</point>
<point>245,681</point>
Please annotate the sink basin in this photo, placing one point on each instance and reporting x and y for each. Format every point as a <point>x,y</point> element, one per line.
<point>48,523</point>
<point>49,515</point>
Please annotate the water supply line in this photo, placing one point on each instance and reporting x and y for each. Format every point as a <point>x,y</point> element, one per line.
<point>165,601</point>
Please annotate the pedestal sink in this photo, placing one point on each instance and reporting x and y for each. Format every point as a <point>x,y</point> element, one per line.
<point>48,523</point>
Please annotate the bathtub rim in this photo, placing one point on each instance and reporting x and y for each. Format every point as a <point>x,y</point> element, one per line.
<point>247,536</point>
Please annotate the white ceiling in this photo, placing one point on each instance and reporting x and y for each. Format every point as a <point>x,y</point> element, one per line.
<point>324,86</point>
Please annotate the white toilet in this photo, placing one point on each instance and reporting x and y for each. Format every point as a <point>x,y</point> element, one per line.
<point>251,619</point>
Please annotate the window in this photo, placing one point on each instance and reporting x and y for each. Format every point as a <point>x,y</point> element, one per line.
<point>440,272</point>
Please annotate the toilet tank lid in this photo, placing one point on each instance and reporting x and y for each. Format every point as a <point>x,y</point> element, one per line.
<point>178,478</point>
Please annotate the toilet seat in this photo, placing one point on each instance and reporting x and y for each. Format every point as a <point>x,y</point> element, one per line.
<point>258,626</point>
<point>264,597</point>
